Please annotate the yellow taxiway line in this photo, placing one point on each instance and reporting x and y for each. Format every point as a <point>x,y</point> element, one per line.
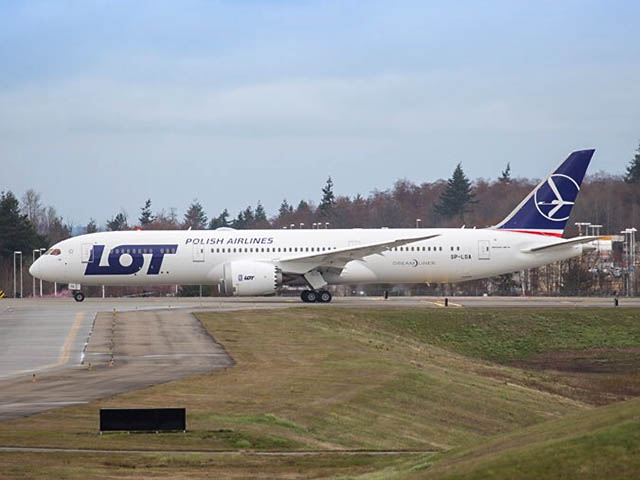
<point>65,353</point>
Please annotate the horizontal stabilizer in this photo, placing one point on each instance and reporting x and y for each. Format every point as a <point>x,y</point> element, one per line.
<point>563,244</point>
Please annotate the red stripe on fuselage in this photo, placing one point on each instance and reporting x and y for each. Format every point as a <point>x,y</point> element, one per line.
<point>548,234</point>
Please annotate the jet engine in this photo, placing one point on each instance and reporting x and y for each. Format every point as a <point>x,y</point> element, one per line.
<point>245,278</point>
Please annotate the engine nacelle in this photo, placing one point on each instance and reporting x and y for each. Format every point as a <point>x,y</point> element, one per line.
<point>245,278</point>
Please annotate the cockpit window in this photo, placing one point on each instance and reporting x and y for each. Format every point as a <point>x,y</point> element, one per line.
<point>54,251</point>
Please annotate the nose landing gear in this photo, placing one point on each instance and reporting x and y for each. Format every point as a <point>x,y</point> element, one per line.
<point>78,296</point>
<point>312,296</point>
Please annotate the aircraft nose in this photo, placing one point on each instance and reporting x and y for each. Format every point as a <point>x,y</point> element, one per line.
<point>36,269</point>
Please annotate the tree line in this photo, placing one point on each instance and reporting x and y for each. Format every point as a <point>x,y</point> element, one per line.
<point>610,200</point>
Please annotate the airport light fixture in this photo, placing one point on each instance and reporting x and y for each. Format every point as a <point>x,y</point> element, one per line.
<point>582,224</point>
<point>595,229</point>
<point>301,225</point>
<point>15,288</point>
<point>418,221</point>
<point>326,224</point>
<point>630,247</point>
<point>292,226</point>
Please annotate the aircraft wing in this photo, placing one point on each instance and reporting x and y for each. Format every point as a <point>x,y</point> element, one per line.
<point>562,244</point>
<point>339,257</point>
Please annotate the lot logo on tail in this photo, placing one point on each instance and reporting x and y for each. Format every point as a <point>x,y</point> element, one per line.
<point>546,209</point>
<point>556,196</point>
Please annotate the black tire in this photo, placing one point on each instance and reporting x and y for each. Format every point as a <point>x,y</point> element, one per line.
<point>78,296</point>
<point>312,296</point>
<point>324,296</point>
<point>303,296</point>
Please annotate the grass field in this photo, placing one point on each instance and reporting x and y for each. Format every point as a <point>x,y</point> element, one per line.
<point>519,393</point>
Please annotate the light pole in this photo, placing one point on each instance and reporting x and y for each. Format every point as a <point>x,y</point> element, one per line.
<point>629,245</point>
<point>632,259</point>
<point>580,225</point>
<point>15,288</point>
<point>595,229</point>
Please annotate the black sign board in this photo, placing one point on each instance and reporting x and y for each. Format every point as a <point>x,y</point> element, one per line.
<point>142,419</point>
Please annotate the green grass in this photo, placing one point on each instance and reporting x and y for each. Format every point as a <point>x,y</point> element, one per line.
<point>600,443</point>
<point>508,335</point>
<point>473,386</point>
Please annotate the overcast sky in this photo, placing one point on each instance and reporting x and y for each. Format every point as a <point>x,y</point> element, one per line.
<point>104,103</point>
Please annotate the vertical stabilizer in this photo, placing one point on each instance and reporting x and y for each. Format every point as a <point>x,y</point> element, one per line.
<point>546,209</point>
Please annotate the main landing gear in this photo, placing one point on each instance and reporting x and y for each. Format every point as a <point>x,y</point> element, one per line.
<point>78,296</point>
<point>312,296</point>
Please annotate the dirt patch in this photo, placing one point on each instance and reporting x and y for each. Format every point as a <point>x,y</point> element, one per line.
<point>617,360</point>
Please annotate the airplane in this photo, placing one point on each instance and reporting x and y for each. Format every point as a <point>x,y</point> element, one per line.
<point>260,262</point>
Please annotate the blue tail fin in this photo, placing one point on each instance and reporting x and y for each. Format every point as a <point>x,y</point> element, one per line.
<point>547,208</point>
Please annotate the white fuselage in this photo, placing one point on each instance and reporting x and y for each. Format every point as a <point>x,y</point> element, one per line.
<point>198,257</point>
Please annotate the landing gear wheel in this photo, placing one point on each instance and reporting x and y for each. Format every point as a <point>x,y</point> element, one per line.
<point>78,296</point>
<point>308,296</point>
<point>324,296</point>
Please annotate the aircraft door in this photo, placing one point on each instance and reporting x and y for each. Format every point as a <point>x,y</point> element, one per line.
<point>484,252</point>
<point>198,253</point>
<point>87,253</point>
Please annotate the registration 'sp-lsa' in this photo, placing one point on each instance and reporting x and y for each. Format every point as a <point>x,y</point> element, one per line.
<point>260,262</point>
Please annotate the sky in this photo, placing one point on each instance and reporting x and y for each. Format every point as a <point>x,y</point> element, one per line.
<point>104,104</point>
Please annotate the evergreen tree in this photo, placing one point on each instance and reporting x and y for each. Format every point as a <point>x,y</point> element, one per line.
<point>505,176</point>
<point>249,217</point>
<point>260,215</point>
<point>220,221</point>
<point>285,209</point>
<point>239,221</point>
<point>456,198</point>
<point>118,222</point>
<point>195,218</point>
<point>328,198</point>
<point>91,226</point>
<point>17,233</point>
<point>146,217</point>
<point>633,170</point>
<point>303,207</point>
